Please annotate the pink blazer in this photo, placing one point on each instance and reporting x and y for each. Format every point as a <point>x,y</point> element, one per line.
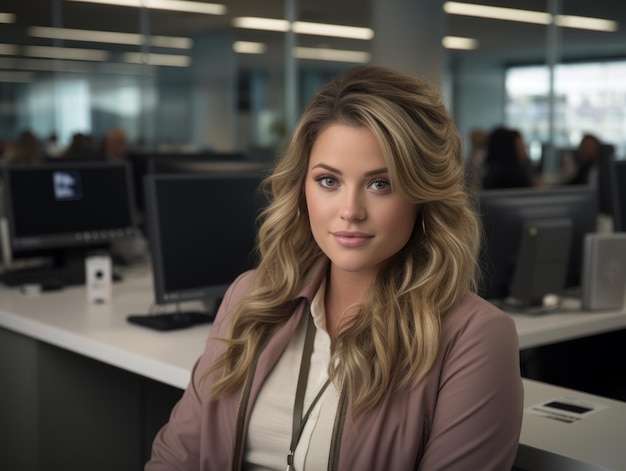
<point>466,414</point>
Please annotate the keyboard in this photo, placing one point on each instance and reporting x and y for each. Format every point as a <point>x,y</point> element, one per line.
<point>46,277</point>
<point>171,320</point>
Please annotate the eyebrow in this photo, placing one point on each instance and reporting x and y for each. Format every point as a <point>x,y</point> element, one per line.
<point>377,171</point>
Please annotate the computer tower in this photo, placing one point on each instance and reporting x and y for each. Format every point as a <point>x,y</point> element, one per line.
<point>604,271</point>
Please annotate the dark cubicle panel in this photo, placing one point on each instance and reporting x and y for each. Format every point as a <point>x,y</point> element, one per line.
<point>65,411</point>
<point>619,212</point>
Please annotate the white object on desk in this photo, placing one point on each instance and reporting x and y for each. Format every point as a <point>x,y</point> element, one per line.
<point>98,278</point>
<point>604,271</point>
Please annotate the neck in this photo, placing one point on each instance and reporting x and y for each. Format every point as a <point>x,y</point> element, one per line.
<point>344,294</point>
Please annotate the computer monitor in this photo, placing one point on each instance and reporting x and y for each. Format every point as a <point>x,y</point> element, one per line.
<point>202,232</point>
<point>619,211</point>
<point>504,214</point>
<point>66,210</point>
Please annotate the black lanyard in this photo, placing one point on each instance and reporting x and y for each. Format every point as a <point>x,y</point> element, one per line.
<point>298,419</point>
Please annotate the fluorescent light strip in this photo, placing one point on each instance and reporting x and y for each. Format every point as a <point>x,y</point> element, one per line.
<point>8,50</point>
<point>66,53</point>
<point>528,16</point>
<point>171,5</point>
<point>264,24</point>
<point>7,18</point>
<point>498,13</point>
<point>582,22</point>
<point>303,27</point>
<point>170,60</point>
<point>335,31</point>
<point>457,42</point>
<point>248,47</point>
<point>109,37</point>
<point>331,55</point>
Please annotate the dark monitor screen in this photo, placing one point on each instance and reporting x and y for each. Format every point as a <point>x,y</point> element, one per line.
<point>606,184</point>
<point>202,231</point>
<point>68,205</point>
<point>504,213</point>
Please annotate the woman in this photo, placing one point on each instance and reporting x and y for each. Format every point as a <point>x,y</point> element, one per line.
<point>362,305</point>
<point>507,162</point>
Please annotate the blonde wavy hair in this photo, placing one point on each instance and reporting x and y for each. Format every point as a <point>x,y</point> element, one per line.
<point>395,338</point>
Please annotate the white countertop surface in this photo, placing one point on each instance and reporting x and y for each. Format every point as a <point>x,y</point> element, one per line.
<point>66,319</point>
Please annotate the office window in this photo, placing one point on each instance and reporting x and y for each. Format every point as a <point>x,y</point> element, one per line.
<point>589,97</point>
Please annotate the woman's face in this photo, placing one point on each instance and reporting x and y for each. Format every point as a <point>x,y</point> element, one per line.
<point>356,218</point>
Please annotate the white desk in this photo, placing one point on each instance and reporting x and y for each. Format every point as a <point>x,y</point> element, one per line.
<point>65,319</point>
<point>535,330</point>
<point>596,441</point>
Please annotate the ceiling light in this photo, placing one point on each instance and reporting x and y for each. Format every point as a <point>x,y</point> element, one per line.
<point>498,13</point>
<point>109,37</point>
<point>8,50</point>
<point>331,55</point>
<point>264,24</point>
<point>172,5</point>
<point>170,60</point>
<point>248,47</point>
<point>7,18</point>
<point>456,42</point>
<point>527,16</point>
<point>303,27</point>
<point>336,31</point>
<point>66,53</point>
<point>582,22</point>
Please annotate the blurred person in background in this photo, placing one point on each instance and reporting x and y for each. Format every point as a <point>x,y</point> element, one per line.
<point>475,161</point>
<point>588,156</point>
<point>25,150</point>
<point>115,144</point>
<point>507,162</point>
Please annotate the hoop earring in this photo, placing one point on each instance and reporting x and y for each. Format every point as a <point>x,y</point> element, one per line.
<point>423,227</point>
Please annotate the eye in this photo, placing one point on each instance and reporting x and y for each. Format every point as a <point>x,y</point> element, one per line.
<point>327,181</point>
<point>380,185</point>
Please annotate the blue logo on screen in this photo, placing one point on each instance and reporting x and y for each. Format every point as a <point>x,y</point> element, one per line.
<point>67,185</point>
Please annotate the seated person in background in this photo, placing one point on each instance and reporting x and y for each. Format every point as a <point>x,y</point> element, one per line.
<point>507,163</point>
<point>81,148</point>
<point>475,161</point>
<point>115,145</point>
<point>588,156</point>
<point>27,149</point>
<point>362,308</point>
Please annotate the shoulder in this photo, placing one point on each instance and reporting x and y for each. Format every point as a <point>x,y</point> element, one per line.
<point>472,311</point>
<point>475,324</point>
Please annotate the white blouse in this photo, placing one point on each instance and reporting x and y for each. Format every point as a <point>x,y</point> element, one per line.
<point>269,433</point>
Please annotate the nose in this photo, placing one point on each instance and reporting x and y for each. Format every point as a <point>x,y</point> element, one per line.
<point>353,207</point>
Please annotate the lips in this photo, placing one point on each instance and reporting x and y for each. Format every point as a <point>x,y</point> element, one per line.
<point>351,239</point>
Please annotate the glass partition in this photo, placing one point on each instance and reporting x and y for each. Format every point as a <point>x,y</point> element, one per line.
<point>176,77</point>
